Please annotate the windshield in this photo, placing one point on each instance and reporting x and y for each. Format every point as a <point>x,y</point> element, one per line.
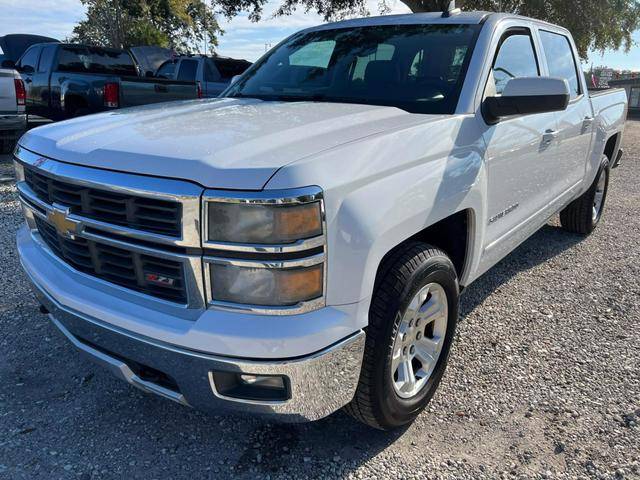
<point>419,68</point>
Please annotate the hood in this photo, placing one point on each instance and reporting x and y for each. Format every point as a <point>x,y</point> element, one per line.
<point>218,143</point>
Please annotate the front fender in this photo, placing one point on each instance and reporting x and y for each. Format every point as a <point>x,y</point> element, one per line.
<point>382,190</point>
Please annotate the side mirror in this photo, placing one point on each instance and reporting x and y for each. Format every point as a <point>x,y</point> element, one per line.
<point>8,64</point>
<point>234,79</point>
<point>527,95</point>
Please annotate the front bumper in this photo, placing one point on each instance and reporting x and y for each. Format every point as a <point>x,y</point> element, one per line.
<point>318,384</point>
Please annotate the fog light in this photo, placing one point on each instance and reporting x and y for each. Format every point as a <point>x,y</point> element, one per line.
<point>243,386</point>
<point>263,381</point>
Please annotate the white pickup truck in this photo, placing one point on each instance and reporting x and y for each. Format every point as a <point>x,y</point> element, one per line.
<point>300,244</point>
<point>13,119</point>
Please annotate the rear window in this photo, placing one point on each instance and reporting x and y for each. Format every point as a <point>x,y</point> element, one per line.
<point>167,69</point>
<point>96,60</point>
<point>230,68</point>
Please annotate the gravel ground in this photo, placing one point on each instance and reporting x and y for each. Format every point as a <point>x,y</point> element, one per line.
<point>543,382</point>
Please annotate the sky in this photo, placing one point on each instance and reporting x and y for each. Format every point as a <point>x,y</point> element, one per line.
<point>242,38</point>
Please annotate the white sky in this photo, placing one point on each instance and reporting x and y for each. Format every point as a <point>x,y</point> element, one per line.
<point>242,38</point>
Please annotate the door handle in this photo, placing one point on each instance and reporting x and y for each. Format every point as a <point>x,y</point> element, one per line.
<point>586,123</point>
<point>549,136</point>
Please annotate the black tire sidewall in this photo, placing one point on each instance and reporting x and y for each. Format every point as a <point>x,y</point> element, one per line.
<point>395,410</point>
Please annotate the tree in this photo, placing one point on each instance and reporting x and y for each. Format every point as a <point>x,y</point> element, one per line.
<point>177,24</point>
<point>594,24</point>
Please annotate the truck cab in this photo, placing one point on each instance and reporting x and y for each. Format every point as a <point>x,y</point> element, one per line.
<point>212,73</point>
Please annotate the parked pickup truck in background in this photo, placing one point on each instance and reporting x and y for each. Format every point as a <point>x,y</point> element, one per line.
<point>213,74</point>
<point>13,120</point>
<point>66,80</point>
<point>300,244</point>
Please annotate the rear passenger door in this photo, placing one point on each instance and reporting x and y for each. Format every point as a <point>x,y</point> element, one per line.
<point>40,88</point>
<point>575,124</point>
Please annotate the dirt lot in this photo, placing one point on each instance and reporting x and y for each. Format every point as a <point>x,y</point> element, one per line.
<point>544,381</point>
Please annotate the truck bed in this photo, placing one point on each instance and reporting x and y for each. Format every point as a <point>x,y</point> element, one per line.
<point>610,107</point>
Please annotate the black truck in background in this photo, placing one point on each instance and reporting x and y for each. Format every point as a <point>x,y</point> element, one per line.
<point>68,80</point>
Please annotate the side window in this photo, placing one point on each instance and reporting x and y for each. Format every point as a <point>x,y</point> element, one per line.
<point>559,55</point>
<point>72,59</point>
<point>29,60</point>
<point>166,69</point>
<point>46,59</point>
<point>516,58</point>
<point>229,68</point>
<point>210,71</point>
<point>188,70</point>
<point>314,54</point>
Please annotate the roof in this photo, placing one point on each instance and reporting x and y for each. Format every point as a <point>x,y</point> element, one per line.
<point>467,18</point>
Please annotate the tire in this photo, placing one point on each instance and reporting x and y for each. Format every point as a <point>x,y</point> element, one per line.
<point>379,400</point>
<point>583,215</point>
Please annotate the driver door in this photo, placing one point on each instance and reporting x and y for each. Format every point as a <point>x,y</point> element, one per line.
<point>520,156</point>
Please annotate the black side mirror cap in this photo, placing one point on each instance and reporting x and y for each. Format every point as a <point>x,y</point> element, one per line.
<point>494,108</point>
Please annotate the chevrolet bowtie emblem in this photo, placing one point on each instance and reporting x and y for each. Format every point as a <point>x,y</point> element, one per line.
<point>59,218</point>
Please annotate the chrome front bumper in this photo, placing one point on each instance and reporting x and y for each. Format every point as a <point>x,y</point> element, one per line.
<point>319,384</point>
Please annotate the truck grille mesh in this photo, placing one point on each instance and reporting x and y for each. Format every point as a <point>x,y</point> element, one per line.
<point>122,267</point>
<point>146,214</point>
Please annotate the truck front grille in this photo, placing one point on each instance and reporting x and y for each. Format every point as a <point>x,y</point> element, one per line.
<point>146,214</point>
<point>143,273</point>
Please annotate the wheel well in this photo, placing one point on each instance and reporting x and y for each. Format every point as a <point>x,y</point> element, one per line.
<point>450,235</point>
<point>73,102</point>
<point>609,148</point>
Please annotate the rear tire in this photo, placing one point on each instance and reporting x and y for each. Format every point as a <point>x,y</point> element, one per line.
<point>387,395</point>
<point>584,213</point>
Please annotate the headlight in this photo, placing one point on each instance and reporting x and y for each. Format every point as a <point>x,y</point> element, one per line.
<point>274,250</point>
<point>275,218</point>
<point>282,284</point>
<point>263,224</point>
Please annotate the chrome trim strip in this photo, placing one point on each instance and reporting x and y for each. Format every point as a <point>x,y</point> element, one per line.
<point>192,264</point>
<point>280,264</point>
<point>301,307</point>
<point>299,246</point>
<point>186,193</point>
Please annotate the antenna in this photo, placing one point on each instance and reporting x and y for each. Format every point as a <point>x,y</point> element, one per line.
<point>451,9</point>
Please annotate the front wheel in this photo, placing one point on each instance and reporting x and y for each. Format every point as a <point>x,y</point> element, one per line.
<point>412,321</point>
